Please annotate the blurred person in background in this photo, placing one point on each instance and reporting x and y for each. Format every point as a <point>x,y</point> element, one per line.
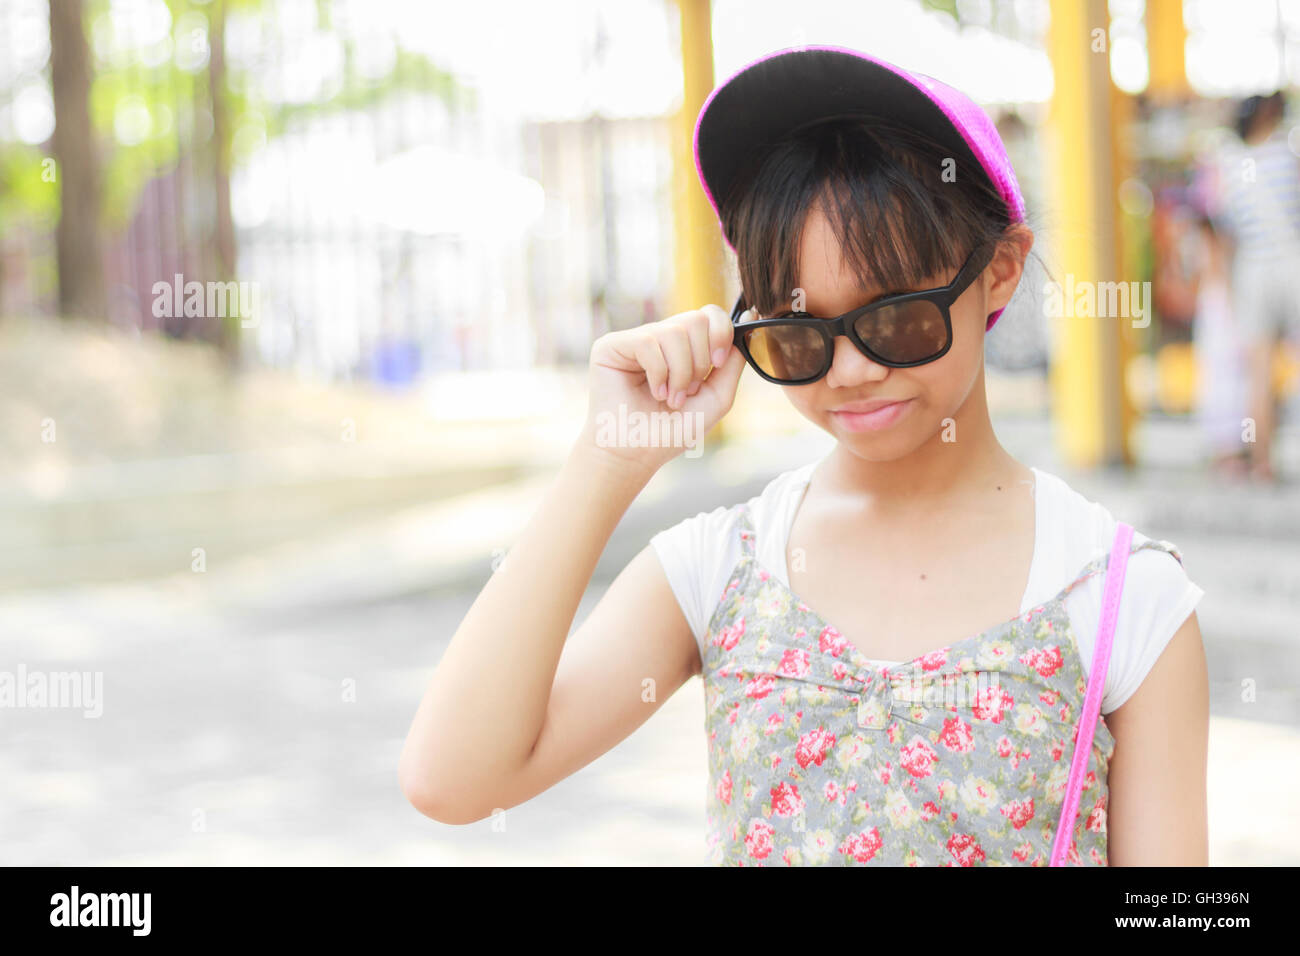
<point>1261,210</point>
<point>1220,356</point>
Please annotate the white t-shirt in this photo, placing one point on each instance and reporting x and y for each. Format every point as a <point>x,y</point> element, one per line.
<point>1261,198</point>
<point>700,553</point>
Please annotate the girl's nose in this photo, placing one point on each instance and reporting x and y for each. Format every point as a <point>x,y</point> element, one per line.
<point>850,367</point>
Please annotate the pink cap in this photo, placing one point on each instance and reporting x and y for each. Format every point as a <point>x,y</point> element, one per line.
<point>767,98</point>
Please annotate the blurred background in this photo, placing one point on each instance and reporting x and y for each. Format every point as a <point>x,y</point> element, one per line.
<point>296,298</point>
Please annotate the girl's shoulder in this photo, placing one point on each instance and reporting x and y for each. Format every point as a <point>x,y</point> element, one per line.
<point>1075,535</point>
<point>699,553</point>
<point>1082,530</point>
<point>763,510</point>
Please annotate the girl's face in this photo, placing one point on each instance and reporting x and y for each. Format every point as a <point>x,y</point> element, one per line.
<point>931,393</point>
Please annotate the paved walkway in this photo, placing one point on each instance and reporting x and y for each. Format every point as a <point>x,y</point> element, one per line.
<point>253,713</point>
<point>226,735</point>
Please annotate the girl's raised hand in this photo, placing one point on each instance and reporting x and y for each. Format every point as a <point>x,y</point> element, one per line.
<point>674,378</point>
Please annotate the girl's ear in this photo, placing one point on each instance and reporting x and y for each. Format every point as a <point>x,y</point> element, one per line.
<point>1007,266</point>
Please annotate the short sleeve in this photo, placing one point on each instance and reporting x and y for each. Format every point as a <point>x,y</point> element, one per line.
<point>698,556</point>
<point>1158,596</point>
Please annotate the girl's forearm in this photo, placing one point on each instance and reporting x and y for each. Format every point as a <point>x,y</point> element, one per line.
<point>485,705</point>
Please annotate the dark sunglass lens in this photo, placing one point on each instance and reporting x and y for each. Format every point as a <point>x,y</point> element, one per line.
<point>787,352</point>
<point>906,332</point>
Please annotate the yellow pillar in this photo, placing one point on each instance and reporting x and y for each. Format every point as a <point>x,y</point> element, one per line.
<point>1085,377</point>
<point>699,253</point>
<point>1128,339</point>
<point>1166,50</point>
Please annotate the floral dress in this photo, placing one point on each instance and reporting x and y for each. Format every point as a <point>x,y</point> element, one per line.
<point>820,756</point>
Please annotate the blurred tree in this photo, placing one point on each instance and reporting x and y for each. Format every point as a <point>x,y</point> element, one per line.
<point>77,236</point>
<point>222,256</point>
<point>151,126</point>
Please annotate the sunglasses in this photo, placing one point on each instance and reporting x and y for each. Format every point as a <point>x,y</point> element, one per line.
<point>796,348</point>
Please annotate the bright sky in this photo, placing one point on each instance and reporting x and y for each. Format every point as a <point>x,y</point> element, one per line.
<point>539,60</point>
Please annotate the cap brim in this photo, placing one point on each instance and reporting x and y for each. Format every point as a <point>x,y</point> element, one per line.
<point>763,101</point>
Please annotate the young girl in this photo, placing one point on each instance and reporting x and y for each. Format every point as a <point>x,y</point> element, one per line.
<point>894,640</point>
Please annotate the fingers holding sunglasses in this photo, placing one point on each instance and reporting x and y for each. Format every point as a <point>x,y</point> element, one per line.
<point>722,382</point>
<point>681,353</point>
<point>721,333</point>
<point>684,342</point>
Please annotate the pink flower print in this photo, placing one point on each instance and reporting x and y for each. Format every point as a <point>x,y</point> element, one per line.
<point>965,849</point>
<point>1049,697</point>
<point>1095,855</point>
<point>831,642</point>
<point>763,575</point>
<point>883,772</point>
<point>934,660</point>
<point>794,663</point>
<point>790,855</point>
<point>733,714</point>
<point>1058,748</point>
<point>1046,660</point>
<point>723,791</point>
<point>1096,820</point>
<point>1019,812</point>
<point>831,791</point>
<point>862,846</point>
<point>1005,748</point>
<point>929,810</point>
<point>800,634</point>
<point>839,671</point>
<point>1021,853</point>
<point>730,636</point>
<point>786,801</point>
<point>918,758</point>
<point>803,607</point>
<point>956,735</point>
<point>758,841</point>
<point>760,686</point>
<point>774,723</point>
<point>991,702</point>
<point>813,747</point>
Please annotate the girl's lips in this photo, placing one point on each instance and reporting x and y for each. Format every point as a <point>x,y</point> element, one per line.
<point>882,417</point>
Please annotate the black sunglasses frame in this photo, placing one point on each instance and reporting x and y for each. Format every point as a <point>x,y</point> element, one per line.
<point>943,297</point>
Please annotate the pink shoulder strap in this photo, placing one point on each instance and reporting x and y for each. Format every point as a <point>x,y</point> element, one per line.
<point>1096,681</point>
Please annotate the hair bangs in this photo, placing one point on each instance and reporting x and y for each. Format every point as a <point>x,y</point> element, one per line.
<point>899,220</point>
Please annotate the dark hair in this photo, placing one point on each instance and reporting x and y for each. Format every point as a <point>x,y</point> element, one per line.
<point>1250,109</point>
<point>883,188</point>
